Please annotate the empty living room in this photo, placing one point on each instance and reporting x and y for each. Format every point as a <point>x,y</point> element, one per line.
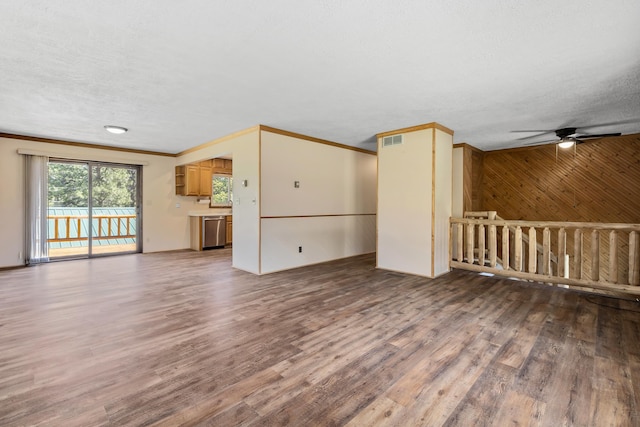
<point>319,214</point>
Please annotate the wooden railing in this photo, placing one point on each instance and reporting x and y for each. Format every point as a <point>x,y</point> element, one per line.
<point>525,238</point>
<point>68,228</point>
<point>500,247</point>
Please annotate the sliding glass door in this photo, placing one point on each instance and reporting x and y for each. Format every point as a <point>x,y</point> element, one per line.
<point>94,209</point>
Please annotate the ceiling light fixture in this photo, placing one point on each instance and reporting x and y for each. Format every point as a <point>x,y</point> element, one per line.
<point>115,129</point>
<point>566,142</point>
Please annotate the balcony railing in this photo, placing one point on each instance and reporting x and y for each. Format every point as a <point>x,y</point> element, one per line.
<point>592,256</point>
<point>68,228</point>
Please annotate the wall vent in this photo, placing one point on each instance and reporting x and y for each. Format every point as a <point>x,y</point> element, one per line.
<point>391,140</point>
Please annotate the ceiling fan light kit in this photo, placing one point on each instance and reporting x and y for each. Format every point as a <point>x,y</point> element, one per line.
<point>566,142</point>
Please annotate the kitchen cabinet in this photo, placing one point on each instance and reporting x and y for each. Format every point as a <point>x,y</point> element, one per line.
<point>196,232</point>
<point>205,175</point>
<point>194,179</point>
<point>222,166</point>
<point>229,229</point>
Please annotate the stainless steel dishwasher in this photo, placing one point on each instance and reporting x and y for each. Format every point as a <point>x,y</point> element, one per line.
<point>214,231</point>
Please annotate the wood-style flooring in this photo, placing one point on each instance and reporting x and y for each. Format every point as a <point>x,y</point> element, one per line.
<point>182,338</point>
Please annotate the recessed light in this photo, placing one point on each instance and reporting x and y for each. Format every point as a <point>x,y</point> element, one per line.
<point>115,129</point>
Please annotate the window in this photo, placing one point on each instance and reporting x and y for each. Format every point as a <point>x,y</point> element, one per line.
<point>222,190</point>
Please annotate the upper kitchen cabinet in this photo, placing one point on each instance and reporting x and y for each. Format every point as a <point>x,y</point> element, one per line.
<point>194,179</point>
<point>222,166</point>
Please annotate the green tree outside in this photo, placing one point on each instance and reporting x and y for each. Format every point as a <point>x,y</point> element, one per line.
<point>222,190</point>
<point>112,186</point>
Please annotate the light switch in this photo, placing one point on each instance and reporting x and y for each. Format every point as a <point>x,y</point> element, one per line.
<point>296,184</point>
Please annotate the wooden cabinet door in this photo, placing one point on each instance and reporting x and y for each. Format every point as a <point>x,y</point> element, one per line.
<point>205,181</point>
<point>192,178</point>
<point>229,229</point>
<point>222,166</point>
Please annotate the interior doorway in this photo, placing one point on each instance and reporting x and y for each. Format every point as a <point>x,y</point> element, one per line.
<point>93,209</point>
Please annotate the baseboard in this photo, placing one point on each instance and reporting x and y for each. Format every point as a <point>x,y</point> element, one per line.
<point>12,267</point>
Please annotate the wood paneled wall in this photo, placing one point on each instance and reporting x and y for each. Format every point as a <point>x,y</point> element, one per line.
<point>472,178</point>
<point>598,181</point>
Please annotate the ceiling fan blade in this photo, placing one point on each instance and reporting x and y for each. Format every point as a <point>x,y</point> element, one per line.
<point>602,135</point>
<point>532,136</point>
<point>541,142</point>
<point>535,130</point>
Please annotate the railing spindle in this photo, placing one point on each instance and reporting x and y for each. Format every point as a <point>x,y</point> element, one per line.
<point>505,247</point>
<point>517,256</point>
<point>533,250</point>
<point>613,256</point>
<point>546,251</point>
<point>68,224</point>
<point>56,229</point>
<point>460,243</point>
<point>634,259</point>
<point>595,255</point>
<point>481,244</point>
<point>577,254</point>
<point>470,242</point>
<point>493,246</point>
<point>562,252</point>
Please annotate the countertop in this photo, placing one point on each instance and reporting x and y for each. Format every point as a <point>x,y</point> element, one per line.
<point>207,213</point>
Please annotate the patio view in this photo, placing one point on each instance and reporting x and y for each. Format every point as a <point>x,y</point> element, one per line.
<point>92,209</point>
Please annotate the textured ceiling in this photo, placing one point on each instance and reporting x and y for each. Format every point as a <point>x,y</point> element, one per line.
<point>179,74</point>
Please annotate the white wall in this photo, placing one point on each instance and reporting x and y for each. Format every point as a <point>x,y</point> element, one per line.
<point>164,226</point>
<point>244,149</point>
<point>331,215</point>
<point>443,188</point>
<point>404,204</point>
<point>332,180</point>
<point>322,238</point>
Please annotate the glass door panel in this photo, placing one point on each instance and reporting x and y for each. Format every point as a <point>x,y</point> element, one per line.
<point>68,209</point>
<point>114,209</point>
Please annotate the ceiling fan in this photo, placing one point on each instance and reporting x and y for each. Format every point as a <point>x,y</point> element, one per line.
<point>568,136</point>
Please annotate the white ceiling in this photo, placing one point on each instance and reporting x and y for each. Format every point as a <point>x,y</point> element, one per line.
<point>181,73</point>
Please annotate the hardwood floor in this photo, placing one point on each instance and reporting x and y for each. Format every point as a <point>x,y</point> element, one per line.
<point>182,338</point>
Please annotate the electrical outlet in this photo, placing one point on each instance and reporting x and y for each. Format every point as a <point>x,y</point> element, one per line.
<point>299,249</point>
